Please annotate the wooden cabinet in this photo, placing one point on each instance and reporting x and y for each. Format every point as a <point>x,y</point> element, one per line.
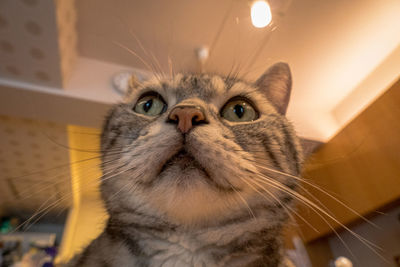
<point>359,166</point>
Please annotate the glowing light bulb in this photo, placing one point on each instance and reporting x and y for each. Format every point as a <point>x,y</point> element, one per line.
<point>260,14</point>
<point>343,262</point>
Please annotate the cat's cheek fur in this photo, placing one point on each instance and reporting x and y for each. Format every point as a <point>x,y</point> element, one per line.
<point>139,162</point>
<point>230,165</point>
<point>224,159</point>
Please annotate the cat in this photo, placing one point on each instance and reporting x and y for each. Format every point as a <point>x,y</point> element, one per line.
<point>198,171</point>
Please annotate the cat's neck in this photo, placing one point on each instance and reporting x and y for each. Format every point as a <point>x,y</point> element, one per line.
<point>236,244</point>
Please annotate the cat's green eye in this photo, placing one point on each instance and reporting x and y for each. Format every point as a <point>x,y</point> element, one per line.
<point>150,105</point>
<point>239,110</point>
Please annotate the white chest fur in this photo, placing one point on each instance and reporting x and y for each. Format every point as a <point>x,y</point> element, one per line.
<point>179,251</point>
<point>199,249</point>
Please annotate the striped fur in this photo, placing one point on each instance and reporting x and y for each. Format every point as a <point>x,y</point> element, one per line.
<point>209,211</point>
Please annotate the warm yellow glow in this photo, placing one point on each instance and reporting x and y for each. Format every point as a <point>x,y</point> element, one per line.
<point>260,14</point>
<point>87,215</point>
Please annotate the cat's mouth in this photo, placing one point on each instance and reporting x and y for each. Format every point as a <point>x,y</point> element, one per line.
<point>184,167</point>
<point>184,161</point>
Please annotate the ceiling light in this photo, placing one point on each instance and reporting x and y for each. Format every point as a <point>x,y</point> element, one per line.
<point>260,14</point>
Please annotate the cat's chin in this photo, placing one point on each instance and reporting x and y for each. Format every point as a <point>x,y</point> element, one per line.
<point>190,201</point>
<point>187,195</point>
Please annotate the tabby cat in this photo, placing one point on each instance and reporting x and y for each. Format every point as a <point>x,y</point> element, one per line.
<point>198,171</point>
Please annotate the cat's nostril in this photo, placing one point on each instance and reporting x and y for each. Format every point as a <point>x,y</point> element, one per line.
<point>174,118</point>
<point>186,117</point>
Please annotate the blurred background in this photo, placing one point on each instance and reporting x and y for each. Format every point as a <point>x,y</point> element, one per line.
<point>63,63</point>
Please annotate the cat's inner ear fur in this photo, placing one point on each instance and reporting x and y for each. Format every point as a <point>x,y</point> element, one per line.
<point>131,85</point>
<point>276,83</point>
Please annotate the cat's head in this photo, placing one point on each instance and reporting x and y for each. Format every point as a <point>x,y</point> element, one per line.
<point>199,149</point>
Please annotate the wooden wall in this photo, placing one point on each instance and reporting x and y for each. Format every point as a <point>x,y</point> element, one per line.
<point>360,166</point>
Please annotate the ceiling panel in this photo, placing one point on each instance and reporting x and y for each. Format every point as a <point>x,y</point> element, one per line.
<point>37,41</point>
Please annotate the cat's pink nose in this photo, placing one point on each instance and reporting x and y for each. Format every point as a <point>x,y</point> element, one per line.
<point>186,117</point>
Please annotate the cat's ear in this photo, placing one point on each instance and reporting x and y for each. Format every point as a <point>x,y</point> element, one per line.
<point>133,83</point>
<point>276,82</point>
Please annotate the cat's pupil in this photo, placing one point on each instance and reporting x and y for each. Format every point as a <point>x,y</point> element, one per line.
<point>239,110</point>
<point>147,105</point>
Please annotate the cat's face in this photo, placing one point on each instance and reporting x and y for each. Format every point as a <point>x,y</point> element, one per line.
<point>196,149</point>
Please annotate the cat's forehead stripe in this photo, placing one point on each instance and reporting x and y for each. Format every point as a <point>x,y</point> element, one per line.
<point>240,87</point>
<point>200,85</point>
<point>176,80</point>
<point>218,84</point>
